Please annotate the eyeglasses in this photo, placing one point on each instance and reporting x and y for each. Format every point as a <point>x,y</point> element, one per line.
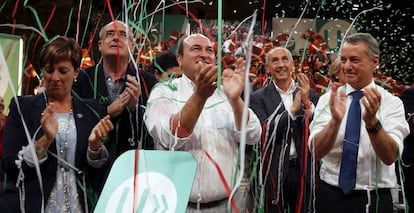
<point>111,34</point>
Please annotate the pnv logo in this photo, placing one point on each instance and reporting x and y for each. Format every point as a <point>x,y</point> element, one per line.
<point>157,194</point>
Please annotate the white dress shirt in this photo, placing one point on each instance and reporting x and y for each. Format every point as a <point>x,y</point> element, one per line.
<point>369,165</point>
<point>287,99</point>
<point>215,132</point>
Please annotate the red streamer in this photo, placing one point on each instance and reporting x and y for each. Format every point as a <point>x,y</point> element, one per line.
<point>44,28</point>
<point>136,161</point>
<point>305,161</point>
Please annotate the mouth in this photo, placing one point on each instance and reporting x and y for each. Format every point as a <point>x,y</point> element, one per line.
<point>349,73</point>
<point>114,46</point>
<point>203,62</point>
<point>280,71</point>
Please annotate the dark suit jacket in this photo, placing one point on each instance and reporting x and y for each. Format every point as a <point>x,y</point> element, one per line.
<point>264,102</point>
<point>14,139</point>
<point>407,96</point>
<point>91,83</point>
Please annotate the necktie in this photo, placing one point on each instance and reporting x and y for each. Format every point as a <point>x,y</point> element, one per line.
<point>347,175</point>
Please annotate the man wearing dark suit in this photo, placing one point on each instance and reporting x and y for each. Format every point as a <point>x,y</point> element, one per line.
<point>281,108</point>
<point>407,97</point>
<point>114,83</point>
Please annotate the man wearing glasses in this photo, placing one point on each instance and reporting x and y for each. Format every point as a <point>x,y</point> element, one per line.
<point>114,83</point>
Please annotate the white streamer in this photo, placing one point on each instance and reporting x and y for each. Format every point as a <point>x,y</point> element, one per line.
<point>31,144</point>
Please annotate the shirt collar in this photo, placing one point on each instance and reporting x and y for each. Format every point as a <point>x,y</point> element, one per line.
<point>349,89</point>
<point>186,79</point>
<point>291,89</point>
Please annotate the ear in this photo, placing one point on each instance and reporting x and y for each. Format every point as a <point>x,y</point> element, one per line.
<point>375,62</point>
<point>267,68</point>
<point>77,71</point>
<point>179,59</point>
<point>292,66</point>
<point>99,45</point>
<point>131,45</point>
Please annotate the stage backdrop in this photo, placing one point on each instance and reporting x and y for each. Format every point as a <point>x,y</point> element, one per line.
<point>11,60</point>
<point>163,26</point>
<point>332,31</point>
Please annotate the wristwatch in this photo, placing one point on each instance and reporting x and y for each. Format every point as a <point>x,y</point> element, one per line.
<point>376,128</point>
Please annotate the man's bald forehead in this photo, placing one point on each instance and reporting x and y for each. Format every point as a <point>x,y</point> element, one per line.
<point>193,36</point>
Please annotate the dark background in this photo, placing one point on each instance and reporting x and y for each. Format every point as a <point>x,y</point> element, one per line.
<point>392,25</point>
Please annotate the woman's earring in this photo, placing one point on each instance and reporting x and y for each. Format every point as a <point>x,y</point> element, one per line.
<point>75,79</point>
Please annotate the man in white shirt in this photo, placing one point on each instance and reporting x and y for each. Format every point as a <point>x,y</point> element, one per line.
<point>382,128</point>
<point>191,114</point>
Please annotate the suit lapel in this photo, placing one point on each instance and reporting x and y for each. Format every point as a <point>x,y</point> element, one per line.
<point>272,99</point>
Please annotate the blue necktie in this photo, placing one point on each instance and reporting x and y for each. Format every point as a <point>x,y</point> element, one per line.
<point>347,175</point>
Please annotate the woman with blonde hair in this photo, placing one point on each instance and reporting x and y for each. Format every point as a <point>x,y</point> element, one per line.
<point>335,71</point>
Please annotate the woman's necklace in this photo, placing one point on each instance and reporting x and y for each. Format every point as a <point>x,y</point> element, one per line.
<point>63,151</point>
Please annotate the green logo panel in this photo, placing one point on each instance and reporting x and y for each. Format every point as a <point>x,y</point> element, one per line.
<point>163,182</point>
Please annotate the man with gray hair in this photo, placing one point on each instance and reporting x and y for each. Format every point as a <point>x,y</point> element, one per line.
<point>281,108</point>
<point>357,133</point>
<point>114,83</point>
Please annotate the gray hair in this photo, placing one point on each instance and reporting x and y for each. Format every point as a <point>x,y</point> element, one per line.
<point>372,44</point>
<point>278,48</point>
<point>129,29</point>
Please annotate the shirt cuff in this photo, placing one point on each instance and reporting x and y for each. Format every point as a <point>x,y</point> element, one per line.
<point>29,158</point>
<point>98,163</point>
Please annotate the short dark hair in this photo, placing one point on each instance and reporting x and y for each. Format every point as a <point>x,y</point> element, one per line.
<point>61,49</point>
<point>180,45</point>
<point>165,60</point>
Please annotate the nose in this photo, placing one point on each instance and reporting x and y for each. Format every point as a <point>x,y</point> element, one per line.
<point>346,65</point>
<point>204,55</point>
<point>55,75</point>
<point>116,36</point>
<point>280,63</point>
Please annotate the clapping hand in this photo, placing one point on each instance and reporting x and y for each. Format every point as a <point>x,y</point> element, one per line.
<point>233,81</point>
<point>337,103</point>
<point>132,92</point>
<point>205,79</point>
<point>49,123</point>
<point>101,130</point>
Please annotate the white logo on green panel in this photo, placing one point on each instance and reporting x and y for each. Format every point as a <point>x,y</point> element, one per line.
<point>163,182</point>
<point>154,198</point>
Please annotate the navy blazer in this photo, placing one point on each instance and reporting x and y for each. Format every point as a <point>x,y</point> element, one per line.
<point>14,139</point>
<point>91,83</point>
<point>407,97</point>
<point>264,102</point>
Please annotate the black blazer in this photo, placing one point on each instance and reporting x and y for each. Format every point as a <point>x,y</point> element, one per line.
<point>91,83</point>
<point>264,102</point>
<point>14,139</point>
<point>407,97</point>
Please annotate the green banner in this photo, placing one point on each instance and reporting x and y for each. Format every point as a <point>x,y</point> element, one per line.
<point>161,31</point>
<point>162,184</point>
<point>12,55</point>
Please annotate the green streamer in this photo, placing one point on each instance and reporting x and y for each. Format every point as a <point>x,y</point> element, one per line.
<point>69,21</point>
<point>26,54</point>
<point>87,23</point>
<point>219,44</point>
<point>38,22</point>
<point>4,3</point>
<point>163,20</point>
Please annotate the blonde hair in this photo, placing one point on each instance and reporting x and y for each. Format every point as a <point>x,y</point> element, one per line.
<point>335,68</point>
